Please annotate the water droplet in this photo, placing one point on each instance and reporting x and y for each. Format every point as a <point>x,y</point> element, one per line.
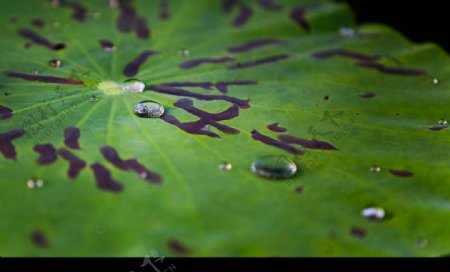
<point>442,122</point>
<point>56,24</point>
<point>274,167</point>
<point>225,166</point>
<point>347,32</point>
<point>422,242</point>
<point>183,52</point>
<point>434,81</point>
<point>55,3</point>
<point>113,3</point>
<point>34,72</point>
<point>96,15</point>
<point>149,109</point>
<point>375,169</point>
<point>133,86</point>
<point>374,213</point>
<point>93,98</point>
<point>54,63</point>
<point>35,183</point>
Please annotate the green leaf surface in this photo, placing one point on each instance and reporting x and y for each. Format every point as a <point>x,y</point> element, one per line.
<point>200,209</point>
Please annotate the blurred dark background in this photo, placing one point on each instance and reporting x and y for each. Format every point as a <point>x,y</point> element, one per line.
<point>420,21</point>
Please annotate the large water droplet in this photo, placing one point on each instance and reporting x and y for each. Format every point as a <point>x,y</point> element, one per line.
<point>347,32</point>
<point>374,213</point>
<point>274,167</point>
<point>35,183</point>
<point>54,63</point>
<point>149,109</point>
<point>133,86</point>
<point>225,166</point>
<point>422,242</point>
<point>183,52</point>
<point>93,98</point>
<point>375,169</point>
<point>434,81</point>
<point>442,122</point>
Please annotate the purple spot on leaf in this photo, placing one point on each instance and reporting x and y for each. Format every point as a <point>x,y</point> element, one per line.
<point>223,86</point>
<point>104,180</point>
<point>132,68</point>
<point>299,189</point>
<point>38,23</point>
<point>47,153</point>
<point>197,127</point>
<point>71,136</point>
<point>75,164</point>
<point>196,62</point>
<point>359,233</point>
<point>181,92</point>
<point>298,15</point>
<point>178,247</point>
<point>311,144</point>
<point>245,12</point>
<point>270,5</point>
<point>274,127</point>
<point>38,238</point>
<point>392,70</point>
<point>368,95</point>
<point>127,17</point>
<point>204,85</point>
<point>5,112</point>
<point>142,30</point>
<point>401,173</point>
<point>228,5</point>
<point>113,157</point>
<point>253,44</point>
<point>143,172</point>
<point>257,62</point>
<point>269,141</point>
<point>37,39</point>
<point>346,54</point>
<point>45,79</point>
<point>6,147</point>
<point>437,128</point>
<point>79,11</point>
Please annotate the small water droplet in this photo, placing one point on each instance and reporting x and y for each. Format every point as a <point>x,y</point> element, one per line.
<point>149,109</point>
<point>422,242</point>
<point>347,32</point>
<point>375,169</point>
<point>442,122</point>
<point>374,213</point>
<point>96,15</point>
<point>55,3</point>
<point>54,63</point>
<point>56,24</point>
<point>225,166</point>
<point>183,52</point>
<point>434,81</point>
<point>133,86</point>
<point>113,3</point>
<point>93,98</point>
<point>274,167</point>
<point>35,183</point>
<point>34,72</point>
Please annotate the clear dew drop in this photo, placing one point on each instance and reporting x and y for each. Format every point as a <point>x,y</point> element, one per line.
<point>375,169</point>
<point>183,52</point>
<point>374,213</point>
<point>434,81</point>
<point>93,98</point>
<point>54,63</point>
<point>226,166</point>
<point>34,72</point>
<point>347,32</point>
<point>133,86</point>
<point>422,242</point>
<point>96,15</point>
<point>35,183</point>
<point>149,109</point>
<point>443,122</point>
<point>274,167</point>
